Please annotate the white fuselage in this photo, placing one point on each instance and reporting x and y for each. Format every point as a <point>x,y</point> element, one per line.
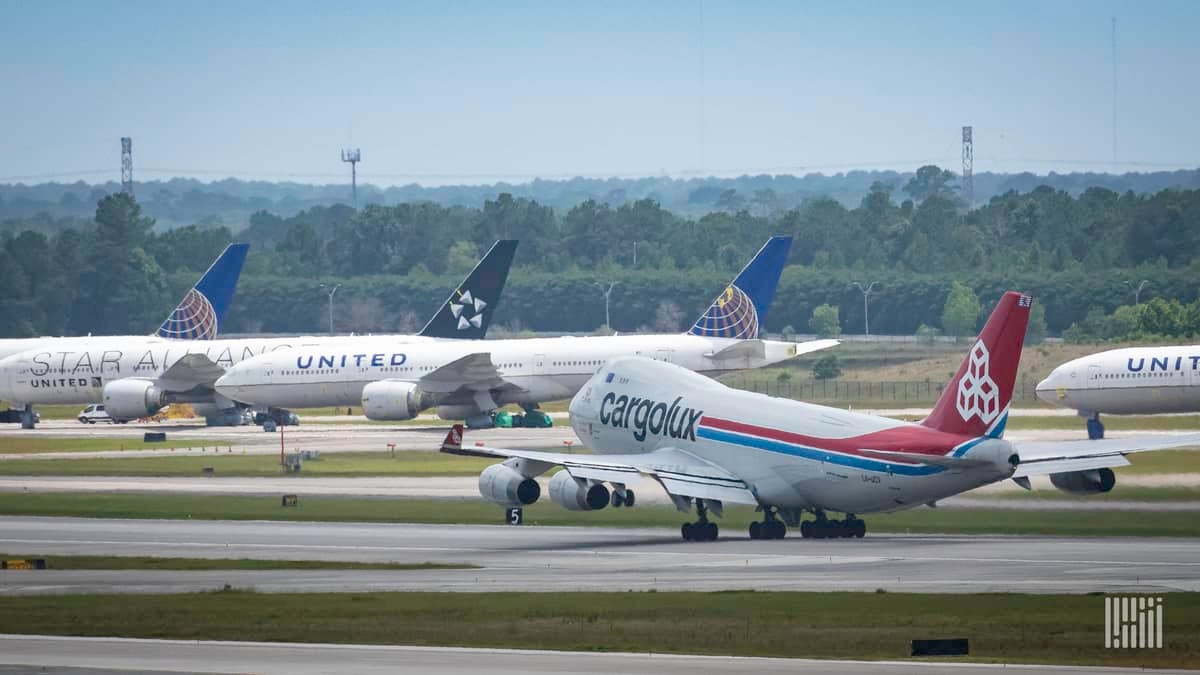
<point>790,454</point>
<point>532,370</point>
<point>1129,381</point>
<point>76,372</point>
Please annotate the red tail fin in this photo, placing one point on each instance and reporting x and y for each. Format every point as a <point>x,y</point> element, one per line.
<point>976,400</point>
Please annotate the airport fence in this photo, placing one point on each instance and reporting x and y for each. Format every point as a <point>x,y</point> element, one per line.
<point>852,391</point>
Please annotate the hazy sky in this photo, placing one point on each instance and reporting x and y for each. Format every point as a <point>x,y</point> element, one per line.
<point>444,92</point>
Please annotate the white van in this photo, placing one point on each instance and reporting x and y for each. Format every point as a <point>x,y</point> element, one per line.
<point>93,413</point>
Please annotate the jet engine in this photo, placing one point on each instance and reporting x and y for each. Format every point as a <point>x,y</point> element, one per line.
<point>393,400</point>
<point>504,485</point>
<point>575,494</point>
<point>1092,481</point>
<point>129,399</point>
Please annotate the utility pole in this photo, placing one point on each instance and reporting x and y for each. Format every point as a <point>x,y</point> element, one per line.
<point>127,165</point>
<point>332,290</point>
<point>1137,291</point>
<point>607,293</point>
<point>866,294</point>
<point>968,165</point>
<point>353,157</point>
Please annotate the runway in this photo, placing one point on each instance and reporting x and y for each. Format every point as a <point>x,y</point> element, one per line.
<point>117,655</point>
<point>555,559</point>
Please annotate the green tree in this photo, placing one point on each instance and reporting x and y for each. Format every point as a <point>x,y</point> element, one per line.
<point>461,258</point>
<point>827,367</point>
<point>1035,332</point>
<point>961,311</point>
<point>825,321</point>
<point>931,181</point>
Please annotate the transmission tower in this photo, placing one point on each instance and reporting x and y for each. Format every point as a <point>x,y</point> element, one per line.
<point>353,156</point>
<point>127,165</point>
<point>968,169</point>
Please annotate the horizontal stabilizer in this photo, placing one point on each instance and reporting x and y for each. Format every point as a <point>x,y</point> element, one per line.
<point>1039,458</point>
<point>1047,467</point>
<point>922,458</point>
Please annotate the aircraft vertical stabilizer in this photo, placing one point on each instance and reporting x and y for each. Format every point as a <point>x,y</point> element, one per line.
<point>740,310</point>
<point>468,311</point>
<point>201,313</point>
<point>975,403</point>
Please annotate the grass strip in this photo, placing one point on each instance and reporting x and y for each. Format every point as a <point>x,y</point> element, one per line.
<point>20,445</point>
<point>109,562</point>
<point>339,464</point>
<point>1054,629</point>
<point>734,524</point>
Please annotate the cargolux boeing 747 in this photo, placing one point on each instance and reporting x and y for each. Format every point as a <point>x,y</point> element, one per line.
<point>709,445</point>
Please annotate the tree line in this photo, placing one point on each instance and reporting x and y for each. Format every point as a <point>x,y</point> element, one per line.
<point>398,262</point>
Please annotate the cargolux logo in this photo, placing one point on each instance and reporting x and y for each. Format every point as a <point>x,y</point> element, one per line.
<point>467,304</point>
<point>649,416</point>
<point>977,391</point>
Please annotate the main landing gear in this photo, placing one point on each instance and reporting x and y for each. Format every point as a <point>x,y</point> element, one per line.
<point>823,528</point>
<point>1095,427</point>
<point>702,529</point>
<point>770,527</point>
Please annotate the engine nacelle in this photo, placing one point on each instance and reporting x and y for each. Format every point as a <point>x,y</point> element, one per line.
<point>457,412</point>
<point>575,494</point>
<point>393,400</point>
<point>504,485</point>
<point>1090,482</point>
<point>129,399</point>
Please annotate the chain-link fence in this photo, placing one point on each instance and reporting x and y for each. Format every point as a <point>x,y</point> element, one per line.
<point>899,391</point>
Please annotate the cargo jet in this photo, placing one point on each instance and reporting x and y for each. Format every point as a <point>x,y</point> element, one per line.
<point>137,376</point>
<point>709,445</point>
<point>471,379</point>
<point>1132,381</point>
<point>198,316</point>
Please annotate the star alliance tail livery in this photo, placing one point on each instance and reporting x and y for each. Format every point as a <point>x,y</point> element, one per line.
<point>468,311</point>
<point>708,445</point>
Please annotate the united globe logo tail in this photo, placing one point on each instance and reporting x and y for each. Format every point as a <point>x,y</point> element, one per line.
<point>201,313</point>
<point>740,310</point>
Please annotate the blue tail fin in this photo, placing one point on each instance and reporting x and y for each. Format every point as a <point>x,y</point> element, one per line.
<point>467,313</point>
<point>201,313</point>
<point>740,310</point>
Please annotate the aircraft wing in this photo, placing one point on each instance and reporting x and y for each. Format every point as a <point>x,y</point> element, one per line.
<point>189,372</point>
<point>680,473</point>
<point>1039,458</point>
<point>473,371</point>
<point>754,348</point>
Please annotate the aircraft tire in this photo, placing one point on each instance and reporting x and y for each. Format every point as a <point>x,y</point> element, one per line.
<point>859,529</point>
<point>630,499</point>
<point>756,530</point>
<point>686,531</point>
<point>776,530</point>
<point>711,532</point>
<point>617,501</point>
<point>806,530</point>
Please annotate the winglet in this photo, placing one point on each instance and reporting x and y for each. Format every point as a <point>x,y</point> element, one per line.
<point>201,313</point>
<point>741,309</point>
<point>468,311</point>
<point>975,402</point>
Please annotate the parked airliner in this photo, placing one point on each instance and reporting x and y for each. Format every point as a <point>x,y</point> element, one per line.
<point>137,376</point>
<point>709,445</point>
<point>470,380</point>
<point>1129,381</point>
<point>198,316</point>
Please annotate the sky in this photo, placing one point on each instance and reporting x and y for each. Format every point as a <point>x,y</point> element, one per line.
<point>473,92</point>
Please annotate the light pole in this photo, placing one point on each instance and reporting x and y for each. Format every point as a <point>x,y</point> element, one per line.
<point>1137,292</point>
<point>866,294</point>
<point>332,290</point>
<point>607,292</point>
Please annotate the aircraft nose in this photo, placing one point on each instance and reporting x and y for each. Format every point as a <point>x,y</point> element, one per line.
<point>1047,389</point>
